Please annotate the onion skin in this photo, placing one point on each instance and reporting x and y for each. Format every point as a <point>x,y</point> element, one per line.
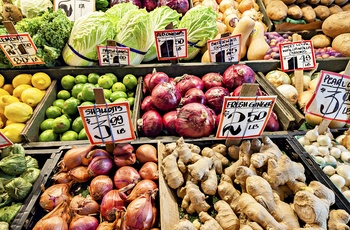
<point>99,186</point>
<point>166,96</point>
<point>147,104</point>
<point>151,123</point>
<point>84,206</point>
<point>146,153</point>
<point>122,148</point>
<point>61,178</point>
<point>54,195</point>
<point>126,175</point>
<point>215,98</point>
<point>75,157</point>
<point>149,171</point>
<point>272,123</point>
<point>194,120</point>
<point>100,165</point>
<point>96,153</point>
<point>193,95</point>
<point>52,223</point>
<point>156,78</point>
<point>169,122</point>
<point>79,174</point>
<point>211,80</point>
<point>187,81</point>
<point>83,222</point>
<point>236,75</point>
<point>145,88</point>
<point>142,188</point>
<point>125,160</point>
<point>111,203</point>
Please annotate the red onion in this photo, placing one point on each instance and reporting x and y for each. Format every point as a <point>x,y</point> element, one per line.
<point>122,148</point>
<point>186,82</point>
<point>165,96</point>
<point>149,4</point>
<point>169,122</point>
<point>237,91</point>
<point>211,80</point>
<point>181,6</point>
<point>146,152</point>
<point>99,186</point>
<point>147,104</point>
<point>126,159</point>
<point>126,175</point>
<point>272,123</point>
<point>156,78</point>
<point>194,120</point>
<point>151,123</point>
<point>145,88</point>
<point>84,205</point>
<point>111,203</point>
<point>83,222</point>
<point>236,75</point>
<point>149,171</point>
<point>139,213</point>
<point>142,188</point>
<point>79,174</point>
<point>100,165</point>
<point>215,98</point>
<point>54,195</point>
<point>217,120</point>
<point>193,95</point>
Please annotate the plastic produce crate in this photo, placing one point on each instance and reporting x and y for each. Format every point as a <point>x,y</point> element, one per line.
<point>46,158</point>
<point>169,201</point>
<point>35,212</point>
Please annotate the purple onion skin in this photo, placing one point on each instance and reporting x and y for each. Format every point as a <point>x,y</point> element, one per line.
<point>236,75</point>
<point>147,104</point>
<point>169,122</point>
<point>166,96</point>
<point>151,123</point>
<point>193,95</point>
<point>181,6</point>
<point>149,4</point>
<point>100,165</point>
<point>215,98</point>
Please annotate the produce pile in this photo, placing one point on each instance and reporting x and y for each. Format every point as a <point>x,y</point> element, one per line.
<point>62,121</point>
<point>95,190</point>
<point>190,106</point>
<point>17,176</point>
<point>255,191</point>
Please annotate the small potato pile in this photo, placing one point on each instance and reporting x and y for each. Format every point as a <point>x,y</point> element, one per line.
<point>273,194</point>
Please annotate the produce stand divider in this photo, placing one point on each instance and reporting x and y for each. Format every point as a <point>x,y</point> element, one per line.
<point>345,204</point>
<point>168,199</point>
<point>265,19</point>
<point>46,159</point>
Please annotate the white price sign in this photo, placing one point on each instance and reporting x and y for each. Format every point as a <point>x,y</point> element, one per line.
<point>4,141</point>
<point>20,49</point>
<point>244,117</point>
<point>113,55</point>
<point>297,55</point>
<point>74,9</point>
<point>107,123</point>
<point>331,99</point>
<point>226,49</point>
<point>171,44</point>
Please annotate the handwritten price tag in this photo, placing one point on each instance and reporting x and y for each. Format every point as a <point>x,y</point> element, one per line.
<point>107,123</point>
<point>226,49</point>
<point>171,44</point>
<point>20,49</point>
<point>331,99</point>
<point>74,9</point>
<point>113,55</point>
<point>297,55</point>
<point>4,141</point>
<point>245,117</point>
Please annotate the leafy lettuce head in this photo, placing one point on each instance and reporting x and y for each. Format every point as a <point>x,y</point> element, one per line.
<point>88,31</point>
<point>117,11</point>
<point>33,8</point>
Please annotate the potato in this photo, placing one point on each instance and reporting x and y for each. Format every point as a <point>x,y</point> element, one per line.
<point>313,2</point>
<point>320,41</point>
<point>341,43</point>
<point>309,14</point>
<point>333,9</point>
<point>277,10</point>
<point>322,12</point>
<point>300,1</point>
<point>340,2</point>
<point>337,24</point>
<point>346,7</point>
<point>294,11</point>
<point>326,2</point>
<point>288,2</point>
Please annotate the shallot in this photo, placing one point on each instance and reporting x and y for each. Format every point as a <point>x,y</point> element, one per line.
<point>74,157</point>
<point>146,153</point>
<point>100,165</point>
<point>149,171</point>
<point>142,188</point>
<point>58,218</point>
<point>84,205</point>
<point>122,148</point>
<point>54,195</point>
<point>111,204</point>
<point>61,178</point>
<point>125,159</point>
<point>79,174</point>
<point>126,175</point>
<point>83,222</point>
<point>99,186</point>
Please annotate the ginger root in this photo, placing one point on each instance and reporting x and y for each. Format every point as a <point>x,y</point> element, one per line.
<point>210,184</point>
<point>242,173</point>
<point>338,220</point>
<point>200,169</point>
<point>184,224</point>
<point>172,174</point>
<point>226,217</point>
<point>209,222</point>
<point>268,150</point>
<point>194,200</point>
<point>227,191</point>
<point>243,160</point>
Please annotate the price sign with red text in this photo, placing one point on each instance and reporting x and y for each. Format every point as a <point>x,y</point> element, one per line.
<point>244,117</point>
<point>331,99</point>
<point>4,141</point>
<point>74,9</point>
<point>20,49</point>
<point>171,44</point>
<point>107,123</point>
<point>297,55</point>
<point>226,49</point>
<point>113,55</point>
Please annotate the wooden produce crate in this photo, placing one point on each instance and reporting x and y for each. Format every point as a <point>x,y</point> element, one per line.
<point>170,204</point>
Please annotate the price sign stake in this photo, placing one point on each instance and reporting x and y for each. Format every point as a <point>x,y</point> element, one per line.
<point>112,55</point>
<point>74,9</point>
<point>225,49</point>
<point>107,123</point>
<point>4,141</point>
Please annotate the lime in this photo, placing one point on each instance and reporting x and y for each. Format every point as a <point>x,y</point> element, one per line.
<point>130,93</point>
<point>69,135</point>
<point>77,89</point>
<point>93,78</point>
<point>67,82</point>
<point>87,103</point>
<point>112,75</point>
<point>46,124</point>
<point>88,92</point>
<point>131,101</point>
<point>107,93</point>
<point>120,99</point>
<point>82,135</point>
<point>60,124</point>
<point>117,94</point>
<point>63,94</point>
<point>58,103</point>
<point>70,106</point>
<point>118,86</point>
<point>77,124</point>
<point>81,78</point>
<point>48,135</point>
<point>53,112</point>
<point>130,81</point>
<point>105,82</point>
